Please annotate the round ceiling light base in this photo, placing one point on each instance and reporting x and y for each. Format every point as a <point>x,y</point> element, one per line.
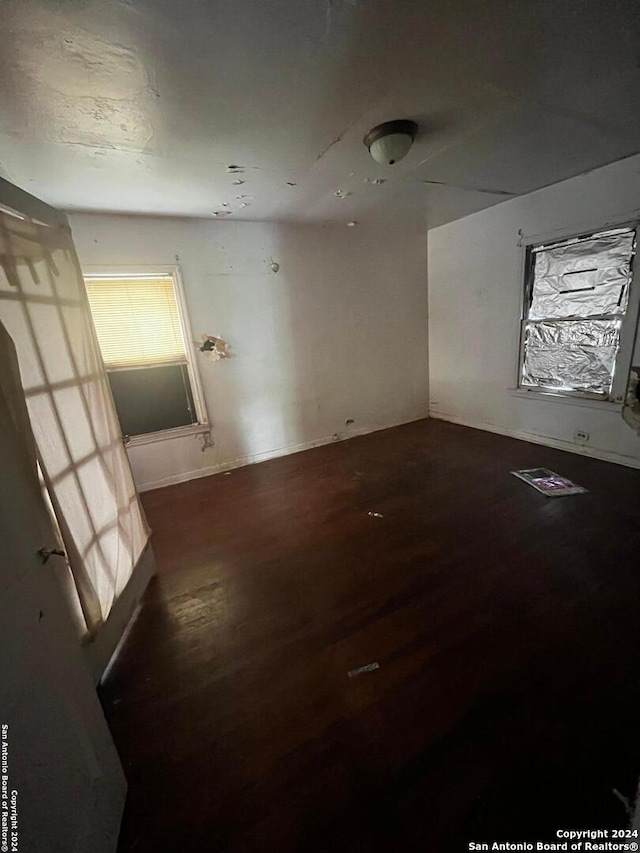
<point>390,142</point>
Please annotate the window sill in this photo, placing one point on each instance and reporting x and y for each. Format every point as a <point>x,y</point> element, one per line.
<point>166,434</point>
<point>550,397</point>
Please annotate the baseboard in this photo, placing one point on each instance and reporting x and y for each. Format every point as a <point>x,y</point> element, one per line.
<point>102,647</point>
<point>185,476</point>
<point>547,441</point>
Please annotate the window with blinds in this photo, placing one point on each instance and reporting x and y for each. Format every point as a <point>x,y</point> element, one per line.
<point>143,342</point>
<point>137,321</point>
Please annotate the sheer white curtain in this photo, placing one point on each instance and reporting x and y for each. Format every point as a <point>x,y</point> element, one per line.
<point>43,306</point>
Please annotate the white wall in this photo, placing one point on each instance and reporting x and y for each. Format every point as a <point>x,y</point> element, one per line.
<point>475,288</point>
<point>339,332</point>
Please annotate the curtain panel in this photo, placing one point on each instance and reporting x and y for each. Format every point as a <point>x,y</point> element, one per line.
<point>43,305</point>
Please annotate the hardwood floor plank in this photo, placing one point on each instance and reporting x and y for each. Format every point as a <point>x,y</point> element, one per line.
<point>504,624</point>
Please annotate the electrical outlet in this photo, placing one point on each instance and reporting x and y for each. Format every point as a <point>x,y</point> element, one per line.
<point>580,436</point>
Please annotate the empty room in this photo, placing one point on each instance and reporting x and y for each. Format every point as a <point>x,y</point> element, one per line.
<point>320,426</point>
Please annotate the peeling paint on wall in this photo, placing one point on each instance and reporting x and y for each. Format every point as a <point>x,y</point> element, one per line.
<point>213,347</point>
<point>207,441</point>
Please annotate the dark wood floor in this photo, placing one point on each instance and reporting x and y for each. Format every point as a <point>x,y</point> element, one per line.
<point>505,625</point>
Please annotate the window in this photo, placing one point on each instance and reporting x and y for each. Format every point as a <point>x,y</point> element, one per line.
<point>579,316</point>
<point>140,324</point>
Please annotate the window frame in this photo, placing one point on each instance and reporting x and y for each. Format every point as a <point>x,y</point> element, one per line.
<point>133,270</point>
<point>628,327</point>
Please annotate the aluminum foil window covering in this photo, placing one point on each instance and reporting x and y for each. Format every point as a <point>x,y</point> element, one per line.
<point>587,278</point>
<point>570,355</point>
<point>578,295</point>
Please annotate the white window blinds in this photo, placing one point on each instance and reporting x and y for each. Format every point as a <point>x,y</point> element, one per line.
<point>137,320</point>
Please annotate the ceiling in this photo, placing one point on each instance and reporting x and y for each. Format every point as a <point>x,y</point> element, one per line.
<point>142,105</point>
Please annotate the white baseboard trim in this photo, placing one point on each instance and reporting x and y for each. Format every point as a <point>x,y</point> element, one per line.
<point>548,441</point>
<point>185,476</point>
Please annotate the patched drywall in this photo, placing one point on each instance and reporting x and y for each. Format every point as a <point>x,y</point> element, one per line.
<point>475,291</point>
<point>326,328</point>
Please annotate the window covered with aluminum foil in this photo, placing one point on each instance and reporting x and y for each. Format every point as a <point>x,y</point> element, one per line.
<point>577,293</point>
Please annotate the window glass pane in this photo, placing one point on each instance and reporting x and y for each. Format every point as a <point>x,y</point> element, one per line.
<point>153,398</point>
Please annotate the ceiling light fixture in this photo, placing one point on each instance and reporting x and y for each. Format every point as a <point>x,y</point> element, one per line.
<point>390,142</point>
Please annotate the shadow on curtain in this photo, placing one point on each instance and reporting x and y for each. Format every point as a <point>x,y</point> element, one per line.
<point>43,306</point>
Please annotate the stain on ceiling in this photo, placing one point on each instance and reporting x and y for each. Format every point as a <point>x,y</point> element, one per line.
<point>166,108</point>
